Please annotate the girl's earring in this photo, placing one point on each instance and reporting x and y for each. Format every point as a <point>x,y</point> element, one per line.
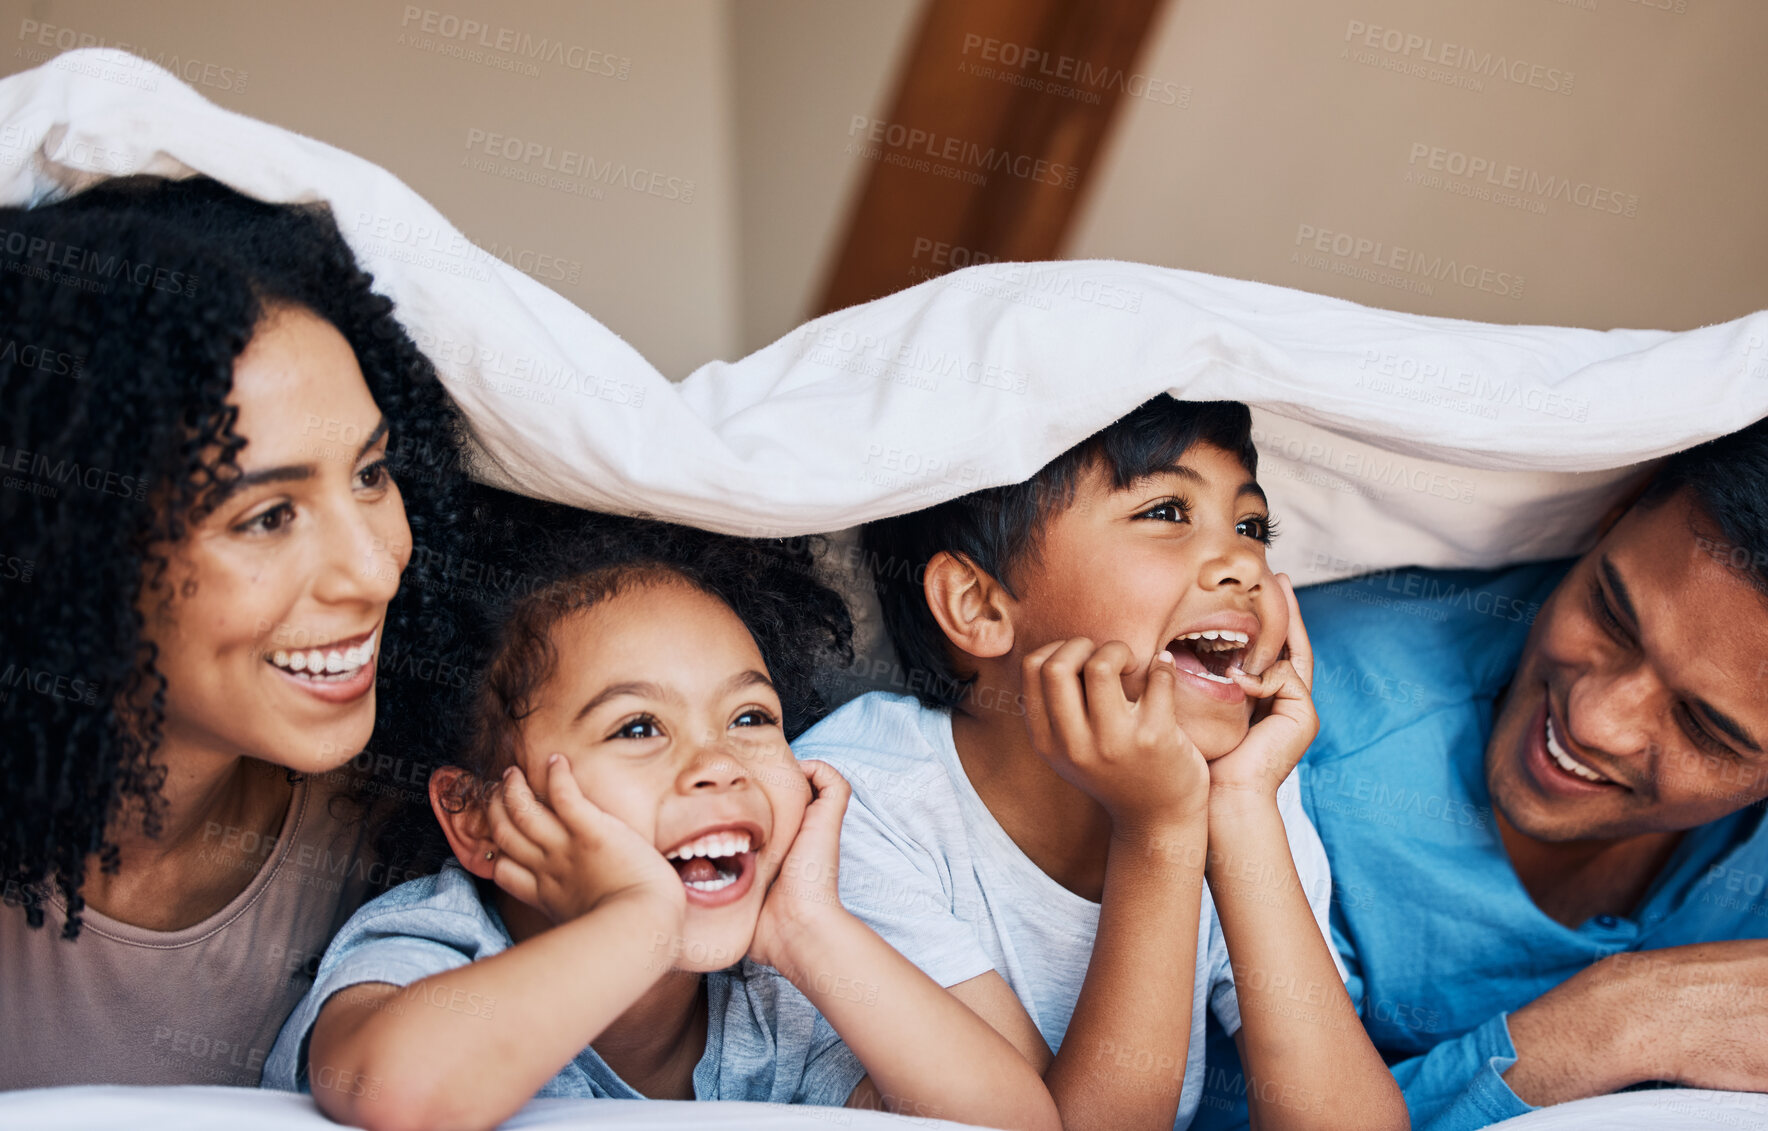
<point>490,855</point>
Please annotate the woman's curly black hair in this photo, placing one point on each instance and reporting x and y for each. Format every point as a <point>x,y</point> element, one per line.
<point>534,563</point>
<point>124,310</point>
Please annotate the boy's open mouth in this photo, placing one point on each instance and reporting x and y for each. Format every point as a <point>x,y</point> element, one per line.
<point>1210,653</point>
<point>716,867</point>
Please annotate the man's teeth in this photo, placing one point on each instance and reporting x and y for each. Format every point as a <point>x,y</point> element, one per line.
<point>333,664</point>
<point>1563,759</point>
<point>714,845</point>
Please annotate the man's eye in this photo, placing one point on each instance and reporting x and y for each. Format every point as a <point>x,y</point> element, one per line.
<point>1261,527</point>
<point>644,726</point>
<point>755,717</point>
<point>1703,738</point>
<point>1605,613</point>
<point>268,522</point>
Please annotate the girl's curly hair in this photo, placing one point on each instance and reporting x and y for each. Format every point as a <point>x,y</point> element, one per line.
<point>536,563</point>
<point>125,308</point>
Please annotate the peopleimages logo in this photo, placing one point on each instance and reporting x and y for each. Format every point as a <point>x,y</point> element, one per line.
<point>1353,254</point>
<point>1520,178</point>
<point>915,144</point>
<point>1457,63</point>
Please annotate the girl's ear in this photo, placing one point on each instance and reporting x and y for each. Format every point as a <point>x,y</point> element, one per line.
<point>458,800</point>
<point>973,609</point>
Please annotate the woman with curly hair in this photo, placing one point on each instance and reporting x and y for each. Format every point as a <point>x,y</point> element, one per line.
<point>219,454</point>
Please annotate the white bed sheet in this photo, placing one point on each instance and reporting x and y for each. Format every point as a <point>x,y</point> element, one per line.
<point>1387,439</point>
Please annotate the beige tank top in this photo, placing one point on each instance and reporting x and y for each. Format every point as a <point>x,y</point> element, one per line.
<point>201,1005</point>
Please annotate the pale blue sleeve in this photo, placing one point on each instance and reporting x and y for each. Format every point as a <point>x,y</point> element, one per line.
<point>409,934</point>
<point>1459,1084</point>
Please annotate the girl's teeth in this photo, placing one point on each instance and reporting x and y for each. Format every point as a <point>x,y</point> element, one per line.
<point>725,879</point>
<point>1214,677</point>
<point>298,662</point>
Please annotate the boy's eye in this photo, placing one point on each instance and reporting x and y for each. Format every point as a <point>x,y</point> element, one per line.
<point>641,726</point>
<point>1172,510</point>
<point>755,717</point>
<point>268,522</point>
<point>1261,527</point>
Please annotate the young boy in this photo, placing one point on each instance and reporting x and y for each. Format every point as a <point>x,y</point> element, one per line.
<point>1036,826</point>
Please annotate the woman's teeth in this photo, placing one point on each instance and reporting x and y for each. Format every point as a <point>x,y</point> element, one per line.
<point>332,665</point>
<point>1563,759</point>
<point>725,879</point>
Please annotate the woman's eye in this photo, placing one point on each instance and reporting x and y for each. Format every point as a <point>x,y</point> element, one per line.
<point>1260,527</point>
<point>375,476</point>
<point>1173,510</point>
<point>268,522</point>
<point>642,727</point>
<point>755,717</point>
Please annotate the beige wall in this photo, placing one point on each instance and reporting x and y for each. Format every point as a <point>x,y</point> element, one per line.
<point>1295,155</point>
<point>734,109</point>
<point>1309,158</point>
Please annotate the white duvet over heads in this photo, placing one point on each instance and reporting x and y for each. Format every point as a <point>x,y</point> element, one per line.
<point>1385,439</point>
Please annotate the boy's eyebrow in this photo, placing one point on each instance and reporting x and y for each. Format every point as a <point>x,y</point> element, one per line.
<point>1250,487</point>
<point>289,473</point>
<point>639,688</point>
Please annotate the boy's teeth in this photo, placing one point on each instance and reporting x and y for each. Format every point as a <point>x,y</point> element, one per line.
<point>1227,637</point>
<point>1563,759</point>
<point>1214,678</point>
<point>716,845</point>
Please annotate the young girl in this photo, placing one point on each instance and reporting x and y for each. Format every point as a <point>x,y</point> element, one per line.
<point>634,847</point>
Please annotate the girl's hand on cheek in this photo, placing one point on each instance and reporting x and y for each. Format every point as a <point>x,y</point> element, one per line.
<point>1284,718</point>
<point>805,888</point>
<point>568,858</point>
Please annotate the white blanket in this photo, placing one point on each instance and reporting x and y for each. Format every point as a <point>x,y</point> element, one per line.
<point>1387,439</point>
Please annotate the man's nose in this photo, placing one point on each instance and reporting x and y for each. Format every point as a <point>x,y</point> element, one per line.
<point>1617,712</point>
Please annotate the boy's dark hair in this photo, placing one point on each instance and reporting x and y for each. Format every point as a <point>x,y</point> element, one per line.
<point>1727,480</point>
<point>997,528</point>
<point>538,563</point>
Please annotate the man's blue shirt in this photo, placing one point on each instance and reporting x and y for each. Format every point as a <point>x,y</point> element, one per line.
<point>1440,937</point>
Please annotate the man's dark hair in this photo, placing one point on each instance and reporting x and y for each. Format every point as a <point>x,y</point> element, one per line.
<point>1727,481</point>
<point>997,529</point>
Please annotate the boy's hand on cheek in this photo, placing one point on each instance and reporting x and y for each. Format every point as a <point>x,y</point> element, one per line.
<point>805,889</point>
<point>569,857</point>
<point>1132,758</point>
<point>1285,720</point>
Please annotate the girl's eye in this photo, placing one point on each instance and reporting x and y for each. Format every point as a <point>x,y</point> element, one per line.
<point>1260,527</point>
<point>755,717</point>
<point>268,522</point>
<point>644,726</point>
<point>375,476</point>
<point>1172,510</point>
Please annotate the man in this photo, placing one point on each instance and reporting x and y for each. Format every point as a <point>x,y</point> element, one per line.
<point>1540,792</point>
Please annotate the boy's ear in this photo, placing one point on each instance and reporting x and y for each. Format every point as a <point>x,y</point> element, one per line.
<point>972,608</point>
<point>458,800</point>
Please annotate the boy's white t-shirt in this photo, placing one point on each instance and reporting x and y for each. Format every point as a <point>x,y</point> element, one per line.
<point>928,867</point>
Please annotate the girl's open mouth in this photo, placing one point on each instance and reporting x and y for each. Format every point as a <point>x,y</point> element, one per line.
<point>716,867</point>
